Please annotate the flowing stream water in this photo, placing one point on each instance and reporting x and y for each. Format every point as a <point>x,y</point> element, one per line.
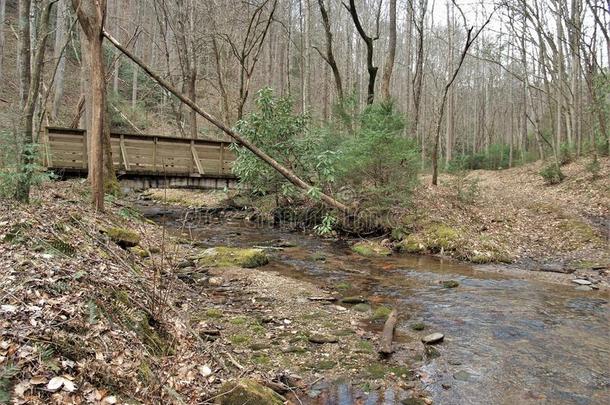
<point>507,340</point>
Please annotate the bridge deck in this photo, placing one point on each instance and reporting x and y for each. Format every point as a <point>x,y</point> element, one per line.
<point>141,154</point>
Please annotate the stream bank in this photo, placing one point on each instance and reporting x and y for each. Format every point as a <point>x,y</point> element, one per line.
<point>112,308</point>
<point>511,335</point>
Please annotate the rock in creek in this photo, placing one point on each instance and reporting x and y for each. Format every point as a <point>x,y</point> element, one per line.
<point>246,391</point>
<point>462,375</point>
<point>580,281</point>
<point>354,300</point>
<point>433,338</point>
<point>226,256</point>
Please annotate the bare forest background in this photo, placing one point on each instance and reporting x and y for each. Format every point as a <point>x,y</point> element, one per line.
<point>512,80</point>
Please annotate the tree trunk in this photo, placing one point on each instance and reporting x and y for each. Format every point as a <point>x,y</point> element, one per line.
<point>389,62</point>
<point>91,15</point>
<point>330,57</point>
<point>371,68</point>
<point>60,38</point>
<point>450,134</point>
<point>23,51</point>
<point>2,14</point>
<point>419,74</point>
<point>221,84</point>
<point>27,158</point>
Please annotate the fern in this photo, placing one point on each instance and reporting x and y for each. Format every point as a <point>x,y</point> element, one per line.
<point>7,373</point>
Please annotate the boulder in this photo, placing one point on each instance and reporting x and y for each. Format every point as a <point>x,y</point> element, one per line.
<point>123,237</point>
<point>371,249</point>
<point>247,391</point>
<point>433,338</point>
<point>227,256</point>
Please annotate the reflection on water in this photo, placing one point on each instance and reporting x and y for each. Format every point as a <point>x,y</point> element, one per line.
<point>507,341</point>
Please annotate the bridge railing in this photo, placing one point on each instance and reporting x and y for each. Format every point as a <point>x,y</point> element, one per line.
<point>66,148</point>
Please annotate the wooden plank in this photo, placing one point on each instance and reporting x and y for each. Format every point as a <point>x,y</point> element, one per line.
<point>221,159</point>
<point>196,159</point>
<point>155,153</point>
<point>48,160</point>
<point>124,154</point>
<point>85,154</point>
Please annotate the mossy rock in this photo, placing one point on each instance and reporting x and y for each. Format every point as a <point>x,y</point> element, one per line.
<point>381,313</point>
<point>138,251</point>
<point>247,391</point>
<point>343,286</point>
<point>361,307</point>
<point>440,237</point>
<point>226,256</point>
<point>450,284</point>
<point>123,237</point>
<point>418,326</point>
<point>318,256</point>
<point>354,300</point>
<point>371,249</point>
<point>412,244</point>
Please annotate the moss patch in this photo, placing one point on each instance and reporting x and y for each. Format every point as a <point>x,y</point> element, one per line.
<point>213,313</point>
<point>381,313</point>
<point>247,391</point>
<point>362,307</point>
<point>450,284</point>
<point>371,249</point>
<point>412,244</point>
<point>138,251</point>
<point>226,256</point>
<point>440,237</point>
<point>123,237</point>
<point>418,326</point>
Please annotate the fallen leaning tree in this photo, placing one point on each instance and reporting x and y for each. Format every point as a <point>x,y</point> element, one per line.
<point>288,174</point>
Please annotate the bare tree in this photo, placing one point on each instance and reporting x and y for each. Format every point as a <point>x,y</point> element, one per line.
<point>31,92</point>
<point>389,62</point>
<point>329,56</point>
<point>61,27</point>
<point>248,51</point>
<point>369,41</point>
<point>2,14</point>
<point>470,38</point>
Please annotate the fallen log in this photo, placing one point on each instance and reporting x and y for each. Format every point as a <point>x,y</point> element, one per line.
<point>385,346</point>
<point>288,174</point>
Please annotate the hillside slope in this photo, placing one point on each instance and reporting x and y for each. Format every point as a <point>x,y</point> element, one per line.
<point>511,215</point>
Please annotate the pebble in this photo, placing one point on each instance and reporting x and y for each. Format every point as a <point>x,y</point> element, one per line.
<point>433,338</point>
<point>462,375</point>
<point>583,288</point>
<point>581,281</point>
<point>320,339</point>
<point>215,281</point>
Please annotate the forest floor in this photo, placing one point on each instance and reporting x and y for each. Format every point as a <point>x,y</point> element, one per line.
<point>512,216</point>
<point>108,308</point>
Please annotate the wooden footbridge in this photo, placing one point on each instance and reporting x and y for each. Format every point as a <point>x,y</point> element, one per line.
<point>145,161</point>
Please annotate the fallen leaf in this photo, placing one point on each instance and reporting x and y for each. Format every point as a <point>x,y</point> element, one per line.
<point>8,308</point>
<point>38,380</point>
<point>55,384</point>
<point>205,371</point>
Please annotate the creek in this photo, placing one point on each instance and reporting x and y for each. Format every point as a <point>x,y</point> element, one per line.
<point>507,340</point>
